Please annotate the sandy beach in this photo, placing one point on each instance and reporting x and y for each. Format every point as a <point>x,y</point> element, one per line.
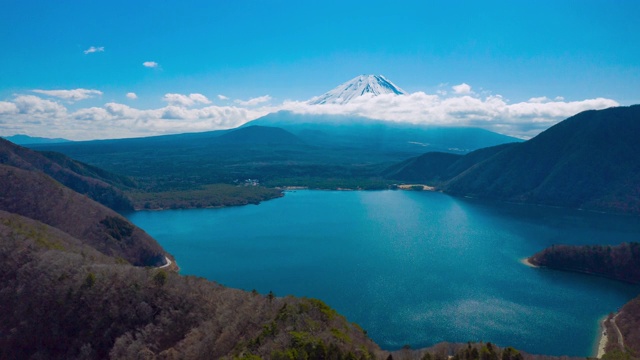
<point>412,187</point>
<point>526,262</point>
<point>603,340</point>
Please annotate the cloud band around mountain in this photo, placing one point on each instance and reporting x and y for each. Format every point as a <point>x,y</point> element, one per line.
<point>195,112</point>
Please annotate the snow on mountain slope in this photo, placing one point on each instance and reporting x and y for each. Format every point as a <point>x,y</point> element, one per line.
<point>356,87</point>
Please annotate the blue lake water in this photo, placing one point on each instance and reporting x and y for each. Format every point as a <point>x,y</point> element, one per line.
<point>412,268</point>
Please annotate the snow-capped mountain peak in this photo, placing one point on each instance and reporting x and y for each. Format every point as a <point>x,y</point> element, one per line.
<point>356,87</point>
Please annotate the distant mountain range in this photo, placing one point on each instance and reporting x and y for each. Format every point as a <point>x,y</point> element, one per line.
<point>359,86</point>
<point>21,139</point>
<point>380,136</point>
<point>588,161</point>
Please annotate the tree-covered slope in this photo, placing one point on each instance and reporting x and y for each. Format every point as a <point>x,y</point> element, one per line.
<point>628,322</point>
<point>620,262</point>
<point>96,183</point>
<point>587,161</point>
<point>37,196</point>
<point>258,135</point>
<point>435,168</point>
<point>428,168</point>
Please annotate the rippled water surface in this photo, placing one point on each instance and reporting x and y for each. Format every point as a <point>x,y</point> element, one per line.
<point>411,268</point>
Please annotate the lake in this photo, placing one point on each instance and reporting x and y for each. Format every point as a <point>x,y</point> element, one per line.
<point>412,268</point>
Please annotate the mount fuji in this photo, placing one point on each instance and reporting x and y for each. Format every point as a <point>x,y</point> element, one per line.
<point>357,87</point>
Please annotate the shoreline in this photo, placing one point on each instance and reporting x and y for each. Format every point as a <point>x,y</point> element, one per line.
<point>416,186</point>
<point>603,339</point>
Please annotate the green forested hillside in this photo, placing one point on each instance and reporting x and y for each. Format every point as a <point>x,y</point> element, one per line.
<point>429,168</point>
<point>620,262</point>
<point>37,196</point>
<point>588,161</point>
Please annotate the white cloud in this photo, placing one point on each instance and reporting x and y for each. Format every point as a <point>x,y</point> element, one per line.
<point>150,64</point>
<point>199,98</point>
<point>222,97</point>
<point>8,108</point>
<point>94,49</point>
<point>70,95</point>
<point>254,101</point>
<point>185,100</point>
<point>33,105</point>
<point>541,99</point>
<point>462,88</point>
<point>132,95</point>
<point>91,114</point>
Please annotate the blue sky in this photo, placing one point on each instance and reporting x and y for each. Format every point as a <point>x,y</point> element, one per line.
<point>278,51</point>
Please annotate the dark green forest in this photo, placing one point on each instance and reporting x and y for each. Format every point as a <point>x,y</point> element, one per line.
<point>620,262</point>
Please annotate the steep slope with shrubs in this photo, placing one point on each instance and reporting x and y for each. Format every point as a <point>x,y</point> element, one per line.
<point>628,322</point>
<point>96,183</point>
<point>64,300</point>
<point>37,196</point>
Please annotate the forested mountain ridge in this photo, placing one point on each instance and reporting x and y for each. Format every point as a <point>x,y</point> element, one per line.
<point>22,139</point>
<point>435,168</point>
<point>620,262</point>
<point>37,196</point>
<point>96,183</point>
<point>123,193</point>
<point>587,161</point>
